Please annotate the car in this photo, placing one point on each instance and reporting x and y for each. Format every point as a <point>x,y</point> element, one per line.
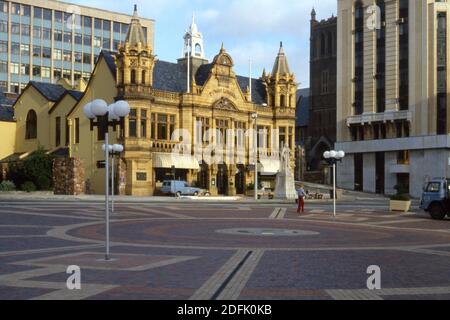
<point>436,198</point>
<point>180,188</point>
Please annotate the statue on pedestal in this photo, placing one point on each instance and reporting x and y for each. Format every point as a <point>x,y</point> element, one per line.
<point>285,185</point>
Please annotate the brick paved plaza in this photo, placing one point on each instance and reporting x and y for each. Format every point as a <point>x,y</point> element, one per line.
<point>187,250</point>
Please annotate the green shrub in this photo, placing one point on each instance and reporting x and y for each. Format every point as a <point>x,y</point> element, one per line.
<point>37,168</point>
<point>401,197</point>
<point>6,186</point>
<point>28,187</point>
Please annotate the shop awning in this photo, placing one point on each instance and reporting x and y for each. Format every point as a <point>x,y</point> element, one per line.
<point>167,160</point>
<point>270,166</point>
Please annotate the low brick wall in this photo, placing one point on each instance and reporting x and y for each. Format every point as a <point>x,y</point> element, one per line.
<point>68,176</point>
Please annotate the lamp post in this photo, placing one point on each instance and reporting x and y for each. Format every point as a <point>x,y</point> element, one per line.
<point>255,153</point>
<point>333,157</point>
<point>117,149</point>
<point>107,116</point>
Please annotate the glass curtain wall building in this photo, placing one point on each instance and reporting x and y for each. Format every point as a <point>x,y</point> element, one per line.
<point>48,40</point>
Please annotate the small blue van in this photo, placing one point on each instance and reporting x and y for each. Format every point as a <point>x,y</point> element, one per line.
<point>436,198</point>
<point>181,188</point>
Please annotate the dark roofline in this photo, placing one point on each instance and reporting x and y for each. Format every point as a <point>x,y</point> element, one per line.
<point>68,92</point>
<point>33,83</point>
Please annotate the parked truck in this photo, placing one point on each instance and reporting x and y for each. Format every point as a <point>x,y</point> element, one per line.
<point>436,198</point>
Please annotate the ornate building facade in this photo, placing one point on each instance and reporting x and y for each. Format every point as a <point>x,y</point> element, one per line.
<point>166,104</point>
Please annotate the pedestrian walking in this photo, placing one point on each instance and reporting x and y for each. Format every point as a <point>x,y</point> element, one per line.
<point>301,199</point>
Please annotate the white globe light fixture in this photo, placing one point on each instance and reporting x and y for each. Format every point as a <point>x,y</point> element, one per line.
<point>111,113</point>
<point>99,107</point>
<point>326,154</point>
<point>333,157</point>
<point>341,154</point>
<point>121,109</point>
<point>110,148</point>
<point>333,154</point>
<point>88,111</point>
<point>118,148</point>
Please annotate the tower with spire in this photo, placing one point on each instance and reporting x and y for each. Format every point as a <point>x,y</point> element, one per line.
<point>281,85</point>
<point>193,42</point>
<point>135,61</point>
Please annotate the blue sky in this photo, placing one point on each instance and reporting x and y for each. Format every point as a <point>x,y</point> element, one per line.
<point>248,28</point>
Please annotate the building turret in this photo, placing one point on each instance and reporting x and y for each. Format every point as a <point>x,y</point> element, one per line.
<point>135,61</point>
<point>281,83</point>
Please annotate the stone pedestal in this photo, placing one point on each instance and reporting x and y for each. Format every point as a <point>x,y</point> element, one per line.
<point>285,186</point>
<point>68,176</point>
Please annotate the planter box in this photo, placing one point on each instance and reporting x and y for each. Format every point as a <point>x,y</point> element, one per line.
<point>401,206</point>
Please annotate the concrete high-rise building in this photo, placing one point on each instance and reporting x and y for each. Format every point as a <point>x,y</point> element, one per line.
<point>392,106</point>
<point>45,40</point>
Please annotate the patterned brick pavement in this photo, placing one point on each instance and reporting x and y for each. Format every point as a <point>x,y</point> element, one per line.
<point>180,251</point>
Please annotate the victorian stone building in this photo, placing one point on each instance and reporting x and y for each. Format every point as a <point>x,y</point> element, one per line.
<point>168,97</point>
<point>321,132</point>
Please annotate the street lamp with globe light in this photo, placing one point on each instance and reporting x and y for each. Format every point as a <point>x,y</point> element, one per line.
<point>255,152</point>
<point>333,157</point>
<point>107,116</point>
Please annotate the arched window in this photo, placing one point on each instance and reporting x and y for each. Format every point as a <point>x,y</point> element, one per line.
<point>198,50</point>
<point>143,77</point>
<point>133,76</point>
<point>31,125</point>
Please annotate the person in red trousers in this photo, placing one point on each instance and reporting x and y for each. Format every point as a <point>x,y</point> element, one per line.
<point>301,199</point>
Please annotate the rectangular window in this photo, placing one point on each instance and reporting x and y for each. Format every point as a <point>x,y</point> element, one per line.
<point>58,35</point>
<point>132,130</point>
<point>77,130</point>
<point>46,34</point>
<point>116,27</point>
<point>143,123</point>
<point>15,8</point>
<point>46,53</point>
<point>15,87</point>
<point>3,67</point>
<point>45,72</point>
<point>162,127</point>
<point>67,74</point>
<point>15,48</point>
<point>37,32</point>
<point>97,42</point>
<point>106,25</point>
<point>106,43</point>
<point>67,142</point>
<point>36,71</point>
<point>87,40</point>
<point>77,75</point>
<point>25,10</point>
<point>25,49</point>
<point>15,28</point>
<point>57,73</point>
<point>325,80</point>
<point>57,54</point>
<point>78,38</point>
<point>116,45</point>
<point>282,139</point>
<point>25,30</point>
<point>87,22</point>
<point>37,51</point>
<point>25,69</point>
<point>58,17</point>
<point>14,68</point>
<point>78,57</point>
<point>4,26</point>
<point>3,47</point>
<point>98,24</point>
<point>3,6</point>
<point>57,131</point>
<point>47,14</point>
<point>87,58</point>
<point>67,55</point>
<point>37,13</point>
<point>68,37</point>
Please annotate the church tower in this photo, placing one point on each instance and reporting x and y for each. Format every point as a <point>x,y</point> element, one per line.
<point>135,62</point>
<point>281,84</point>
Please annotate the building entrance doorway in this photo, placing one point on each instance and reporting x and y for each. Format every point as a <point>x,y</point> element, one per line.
<point>222,180</point>
<point>240,179</point>
<point>203,176</point>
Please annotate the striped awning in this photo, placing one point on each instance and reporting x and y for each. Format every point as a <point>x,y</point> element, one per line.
<point>179,161</point>
<point>270,166</point>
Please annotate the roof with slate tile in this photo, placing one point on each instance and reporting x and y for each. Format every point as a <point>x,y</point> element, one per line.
<point>6,110</point>
<point>172,77</point>
<point>52,92</point>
